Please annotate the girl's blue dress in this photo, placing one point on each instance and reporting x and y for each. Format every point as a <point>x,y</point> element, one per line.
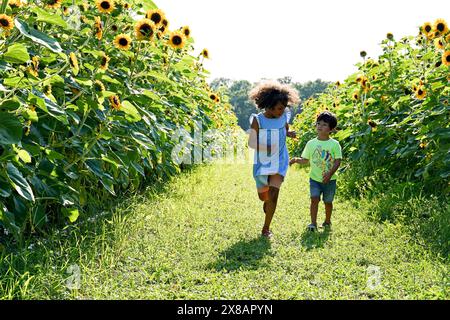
<point>272,132</point>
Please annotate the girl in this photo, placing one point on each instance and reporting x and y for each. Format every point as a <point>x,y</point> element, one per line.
<point>268,133</point>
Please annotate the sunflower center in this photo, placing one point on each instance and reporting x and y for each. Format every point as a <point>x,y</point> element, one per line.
<point>187,32</point>
<point>177,40</point>
<point>123,41</point>
<point>52,2</point>
<point>105,5</point>
<point>156,18</point>
<point>447,58</point>
<point>420,92</point>
<point>427,28</point>
<point>146,30</point>
<point>440,27</point>
<point>4,22</point>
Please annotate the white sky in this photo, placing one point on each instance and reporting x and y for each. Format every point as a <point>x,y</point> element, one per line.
<point>252,39</point>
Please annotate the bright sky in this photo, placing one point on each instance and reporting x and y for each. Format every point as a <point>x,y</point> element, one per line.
<point>254,39</point>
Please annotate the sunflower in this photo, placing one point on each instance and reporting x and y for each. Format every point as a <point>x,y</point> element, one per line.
<point>66,11</point>
<point>440,26</point>
<point>212,96</point>
<point>205,53</point>
<point>122,41</point>
<point>84,6</point>
<point>438,43</point>
<point>32,71</point>
<point>105,6</point>
<point>337,84</point>
<point>54,4</point>
<point>126,6</point>
<point>156,15</point>
<point>421,93</point>
<point>99,86</point>
<point>186,31</point>
<point>105,61</point>
<point>74,62</point>
<point>363,54</point>
<point>144,29</point>
<point>390,36</point>
<point>372,123</point>
<point>426,28</point>
<point>6,22</point>
<point>14,4</point>
<point>35,62</point>
<point>355,95</point>
<point>177,40</point>
<point>98,28</point>
<point>48,89</point>
<point>446,58</point>
<point>422,145</point>
<point>115,102</point>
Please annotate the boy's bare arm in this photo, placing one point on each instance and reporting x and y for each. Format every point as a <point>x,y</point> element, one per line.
<point>327,175</point>
<point>299,161</point>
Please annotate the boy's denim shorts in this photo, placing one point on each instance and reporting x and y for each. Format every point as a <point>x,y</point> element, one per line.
<point>328,190</point>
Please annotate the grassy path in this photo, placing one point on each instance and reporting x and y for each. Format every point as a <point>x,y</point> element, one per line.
<point>200,240</point>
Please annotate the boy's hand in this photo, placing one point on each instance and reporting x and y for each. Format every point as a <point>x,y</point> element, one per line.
<point>293,160</point>
<point>326,177</point>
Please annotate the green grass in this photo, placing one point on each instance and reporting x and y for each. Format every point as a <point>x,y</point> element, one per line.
<point>198,238</point>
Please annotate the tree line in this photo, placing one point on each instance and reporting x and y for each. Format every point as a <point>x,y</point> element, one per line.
<point>237,92</point>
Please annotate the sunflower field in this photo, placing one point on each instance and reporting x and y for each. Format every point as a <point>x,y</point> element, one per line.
<point>393,113</point>
<point>90,93</point>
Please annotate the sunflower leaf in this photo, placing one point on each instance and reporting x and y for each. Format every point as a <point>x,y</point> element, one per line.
<point>17,53</point>
<point>44,16</point>
<point>38,37</point>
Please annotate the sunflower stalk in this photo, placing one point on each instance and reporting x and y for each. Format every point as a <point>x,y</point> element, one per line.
<point>168,62</point>
<point>4,4</point>
<point>136,56</point>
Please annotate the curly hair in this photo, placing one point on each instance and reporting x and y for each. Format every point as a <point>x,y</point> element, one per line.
<point>266,95</point>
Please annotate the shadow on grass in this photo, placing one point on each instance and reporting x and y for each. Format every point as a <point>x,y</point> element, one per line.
<point>313,240</point>
<point>245,254</point>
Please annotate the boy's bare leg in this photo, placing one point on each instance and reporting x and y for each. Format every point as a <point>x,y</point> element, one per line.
<point>328,211</point>
<point>314,208</point>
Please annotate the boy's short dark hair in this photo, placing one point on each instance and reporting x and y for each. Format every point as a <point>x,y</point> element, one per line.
<point>329,118</point>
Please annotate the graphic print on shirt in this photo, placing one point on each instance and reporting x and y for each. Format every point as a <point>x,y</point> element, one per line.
<point>323,159</point>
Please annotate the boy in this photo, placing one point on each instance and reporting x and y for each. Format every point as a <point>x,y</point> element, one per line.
<point>324,154</point>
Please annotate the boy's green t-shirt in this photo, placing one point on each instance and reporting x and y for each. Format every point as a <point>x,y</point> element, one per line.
<point>321,156</point>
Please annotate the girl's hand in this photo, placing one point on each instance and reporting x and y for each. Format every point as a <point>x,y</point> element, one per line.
<point>293,160</point>
<point>291,134</point>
